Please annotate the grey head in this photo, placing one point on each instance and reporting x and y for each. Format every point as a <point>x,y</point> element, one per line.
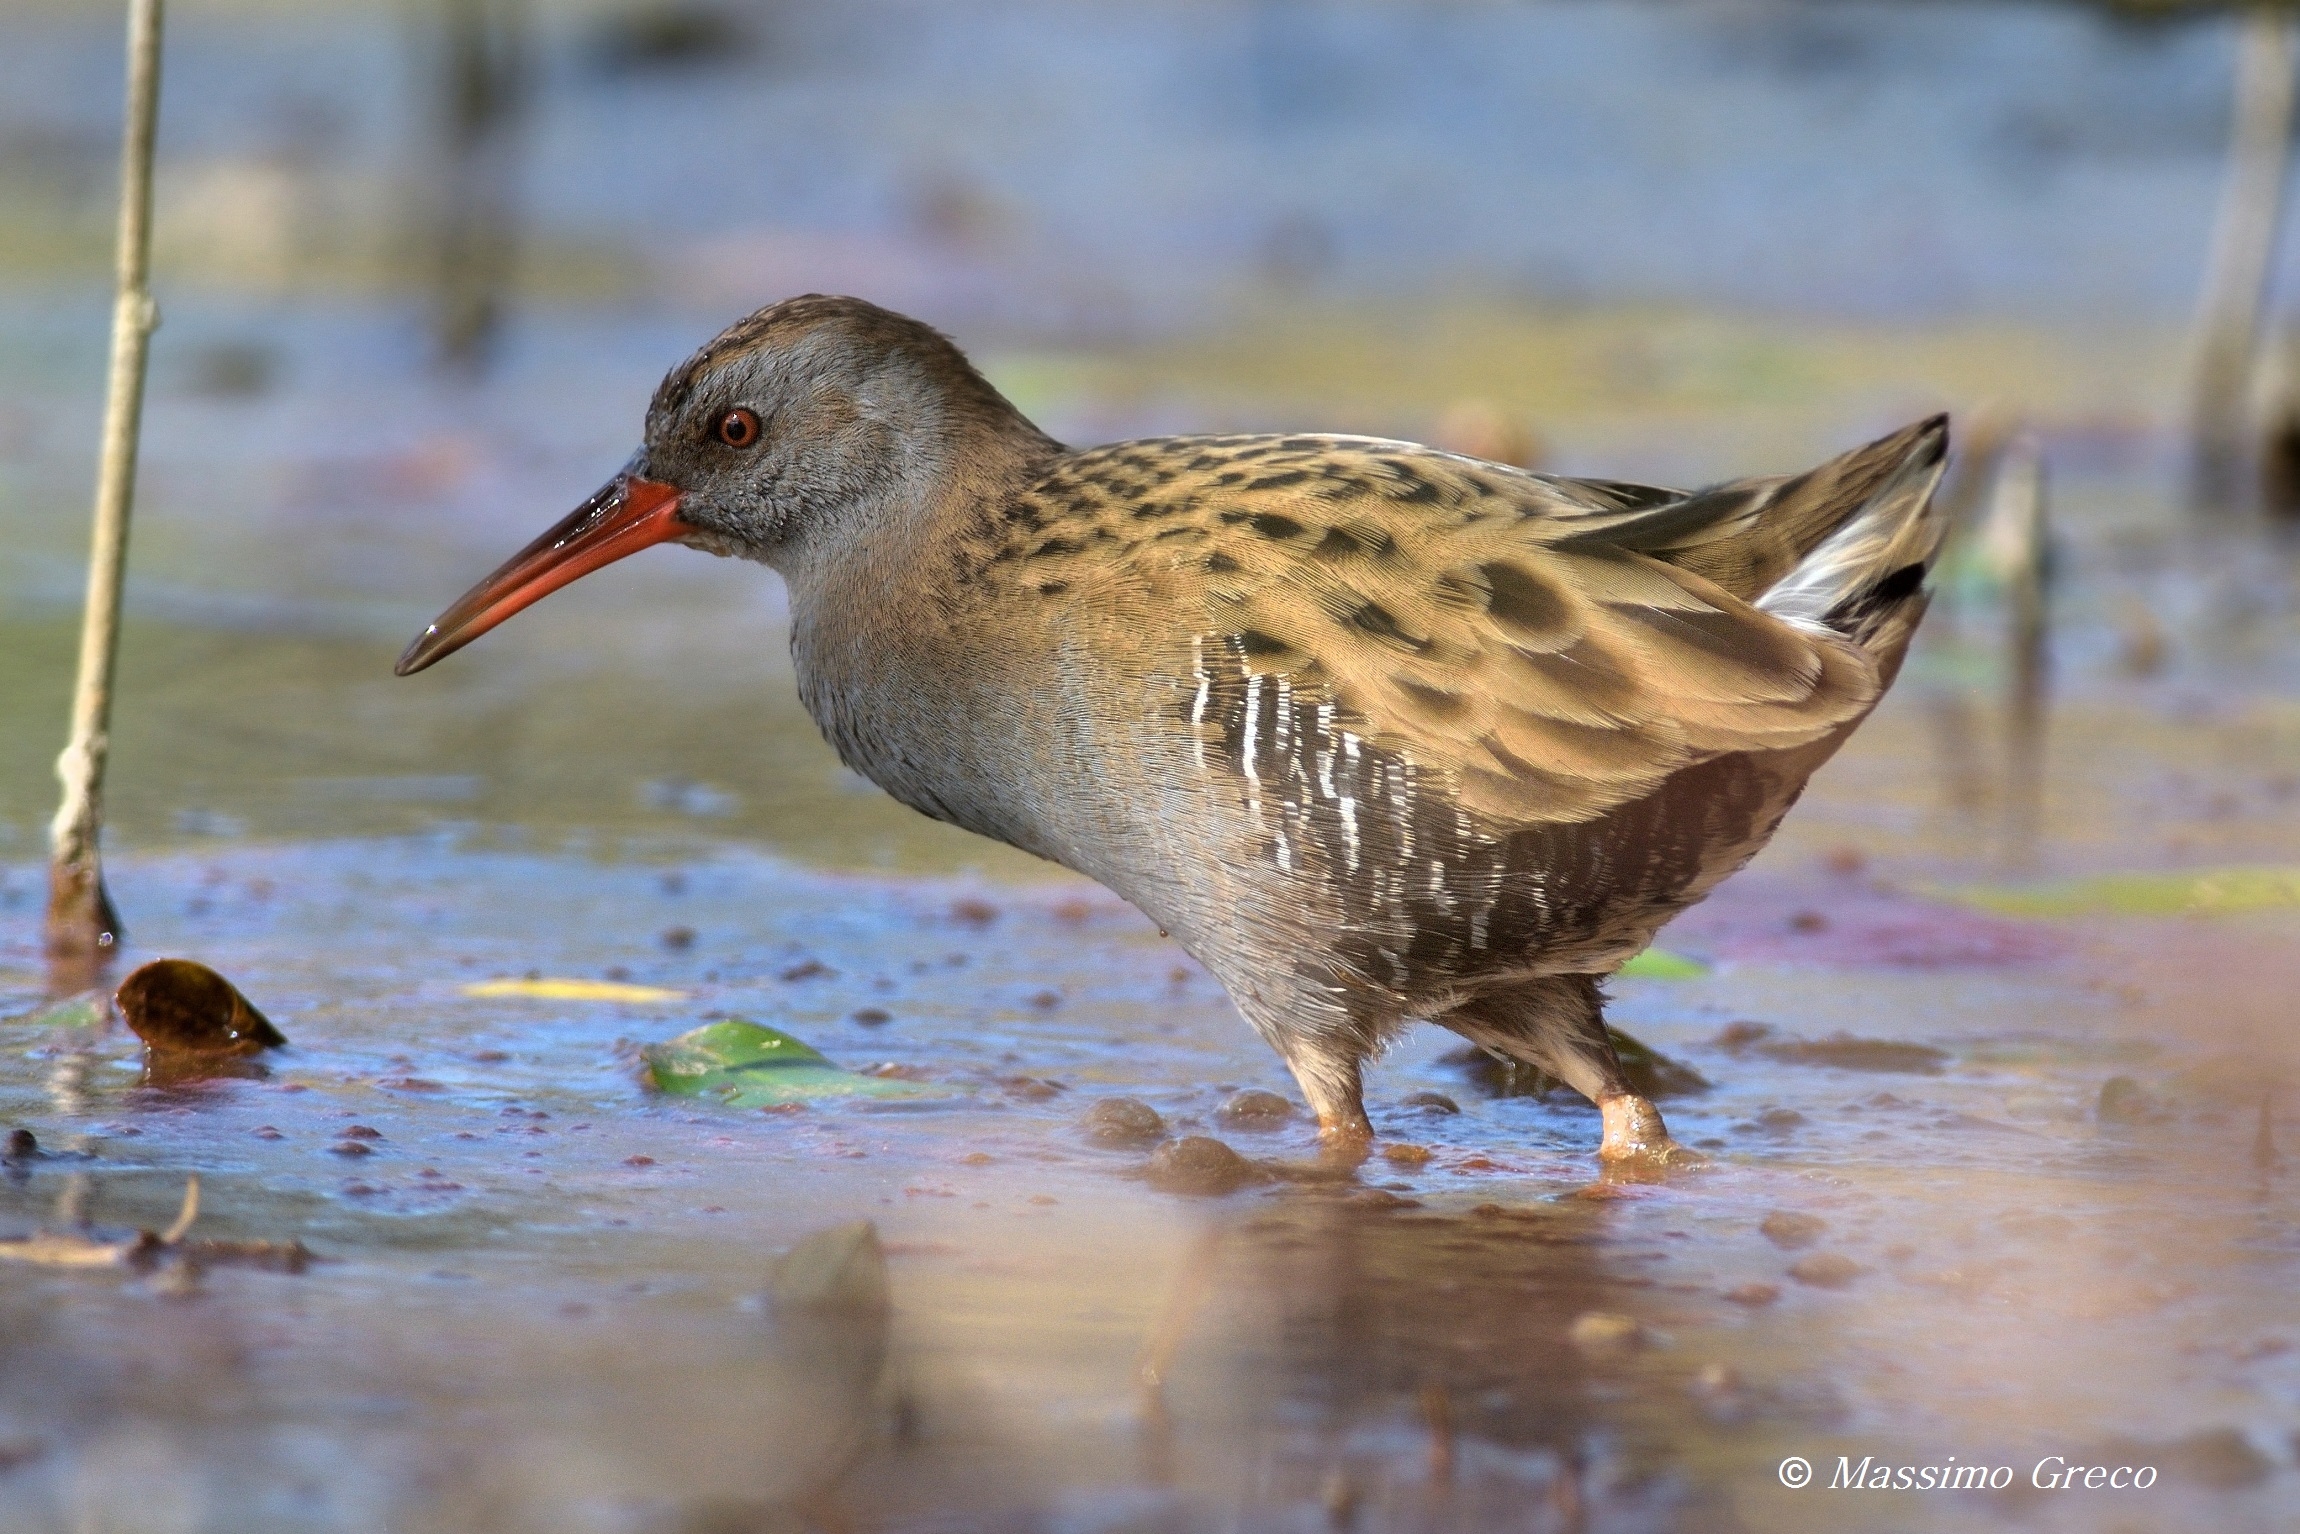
<point>819,419</point>
<point>796,437</point>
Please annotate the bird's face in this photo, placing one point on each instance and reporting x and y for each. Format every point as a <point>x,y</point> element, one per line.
<point>792,426</point>
<point>770,444</point>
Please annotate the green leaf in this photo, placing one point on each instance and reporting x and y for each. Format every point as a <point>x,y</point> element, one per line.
<point>749,1065</point>
<point>2201,891</point>
<point>86,1010</point>
<point>1661,964</point>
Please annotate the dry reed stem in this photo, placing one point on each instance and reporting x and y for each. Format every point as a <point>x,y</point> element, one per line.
<point>81,925</point>
<point>2228,331</point>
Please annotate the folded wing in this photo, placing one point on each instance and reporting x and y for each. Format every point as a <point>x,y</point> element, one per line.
<point>1558,647</point>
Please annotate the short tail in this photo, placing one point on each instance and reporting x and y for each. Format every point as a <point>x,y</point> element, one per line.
<point>1814,546</point>
<point>1865,579</point>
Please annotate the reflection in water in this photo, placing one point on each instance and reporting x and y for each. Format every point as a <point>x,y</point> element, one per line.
<point>751,1432</point>
<point>67,1081</point>
<point>176,1068</point>
<point>1413,1370</point>
<point>537,1303</point>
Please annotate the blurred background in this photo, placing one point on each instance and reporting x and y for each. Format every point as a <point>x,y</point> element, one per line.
<point>421,264</point>
<point>1993,1047</point>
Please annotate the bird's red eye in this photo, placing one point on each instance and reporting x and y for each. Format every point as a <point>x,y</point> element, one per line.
<point>738,428</point>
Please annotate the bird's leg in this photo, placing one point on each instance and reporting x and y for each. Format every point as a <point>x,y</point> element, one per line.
<point>1634,1132</point>
<point>1557,1024</point>
<point>1328,1070</point>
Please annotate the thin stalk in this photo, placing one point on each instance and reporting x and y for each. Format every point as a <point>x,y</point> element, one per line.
<point>81,925</point>
<point>2228,332</point>
<point>1957,731</point>
<point>2021,540</point>
<point>483,69</point>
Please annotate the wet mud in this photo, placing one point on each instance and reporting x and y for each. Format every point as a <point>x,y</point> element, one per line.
<point>1025,1230</point>
<point>2000,1163</point>
<point>545,1293</point>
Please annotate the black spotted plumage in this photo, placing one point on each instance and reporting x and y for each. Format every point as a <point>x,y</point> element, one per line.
<point>1378,732</point>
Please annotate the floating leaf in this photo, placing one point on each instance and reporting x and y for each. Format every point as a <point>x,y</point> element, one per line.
<point>187,1008</point>
<point>572,990</point>
<point>749,1065</point>
<point>1661,964</point>
<point>2203,891</point>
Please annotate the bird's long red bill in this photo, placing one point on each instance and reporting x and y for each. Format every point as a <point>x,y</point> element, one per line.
<point>629,513</point>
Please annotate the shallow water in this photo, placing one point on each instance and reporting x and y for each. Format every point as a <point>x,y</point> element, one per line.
<point>539,1300</point>
<point>539,1289</point>
<point>538,1303</point>
<point>1946,1238</point>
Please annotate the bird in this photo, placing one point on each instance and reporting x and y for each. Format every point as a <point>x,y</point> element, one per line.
<point>1380,734</point>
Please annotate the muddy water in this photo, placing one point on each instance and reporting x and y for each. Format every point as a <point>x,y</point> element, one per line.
<point>1983,1190</point>
<point>538,1303</point>
<point>538,1300</point>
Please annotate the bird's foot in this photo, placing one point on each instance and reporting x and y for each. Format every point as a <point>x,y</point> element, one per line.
<point>1343,1146</point>
<point>1637,1140</point>
<point>1344,1142</point>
